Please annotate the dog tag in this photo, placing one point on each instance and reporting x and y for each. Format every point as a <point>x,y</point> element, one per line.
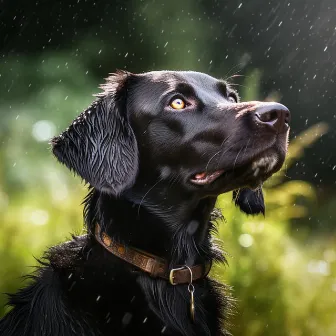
<point>192,306</point>
<point>191,290</point>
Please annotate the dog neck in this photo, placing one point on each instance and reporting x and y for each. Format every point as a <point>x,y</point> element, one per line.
<point>176,227</point>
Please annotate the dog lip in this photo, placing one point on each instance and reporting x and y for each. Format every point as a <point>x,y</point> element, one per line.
<point>260,174</point>
<point>206,178</point>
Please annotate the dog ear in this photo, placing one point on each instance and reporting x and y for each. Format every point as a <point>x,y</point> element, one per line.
<point>250,201</point>
<point>100,145</point>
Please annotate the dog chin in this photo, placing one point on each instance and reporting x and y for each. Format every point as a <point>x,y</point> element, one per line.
<point>264,165</point>
<point>263,168</point>
<point>254,173</point>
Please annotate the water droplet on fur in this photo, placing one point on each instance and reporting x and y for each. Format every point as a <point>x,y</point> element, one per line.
<point>165,172</point>
<point>126,319</point>
<point>192,227</point>
<point>256,172</point>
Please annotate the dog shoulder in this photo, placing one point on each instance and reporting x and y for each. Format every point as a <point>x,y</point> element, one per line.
<point>42,307</point>
<point>67,255</point>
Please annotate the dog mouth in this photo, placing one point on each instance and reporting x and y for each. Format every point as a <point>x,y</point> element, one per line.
<point>206,177</point>
<point>256,170</point>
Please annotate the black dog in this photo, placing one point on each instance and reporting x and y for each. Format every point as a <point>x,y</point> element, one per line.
<point>156,149</point>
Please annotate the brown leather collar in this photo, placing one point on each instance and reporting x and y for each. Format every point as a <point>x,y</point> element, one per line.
<point>149,263</point>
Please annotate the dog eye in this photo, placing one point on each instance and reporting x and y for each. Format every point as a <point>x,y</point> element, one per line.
<point>178,104</point>
<point>232,98</point>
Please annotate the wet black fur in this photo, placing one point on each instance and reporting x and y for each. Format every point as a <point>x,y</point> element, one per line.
<point>142,198</point>
<point>250,201</point>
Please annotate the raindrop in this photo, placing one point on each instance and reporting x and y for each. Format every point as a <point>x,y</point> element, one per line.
<point>145,320</point>
<point>163,329</point>
<point>72,286</point>
<point>325,48</point>
<point>98,298</point>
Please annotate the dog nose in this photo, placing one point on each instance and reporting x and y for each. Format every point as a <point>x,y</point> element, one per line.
<point>275,115</point>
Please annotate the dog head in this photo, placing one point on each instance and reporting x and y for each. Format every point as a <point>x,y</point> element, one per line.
<point>186,129</point>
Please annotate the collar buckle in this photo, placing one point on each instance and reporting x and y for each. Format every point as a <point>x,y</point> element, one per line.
<point>171,274</point>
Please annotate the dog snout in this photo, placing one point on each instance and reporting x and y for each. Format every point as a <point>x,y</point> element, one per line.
<point>274,115</point>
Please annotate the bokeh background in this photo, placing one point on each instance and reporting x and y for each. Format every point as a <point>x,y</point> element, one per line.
<point>54,54</point>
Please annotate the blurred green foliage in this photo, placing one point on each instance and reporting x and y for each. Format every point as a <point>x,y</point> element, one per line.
<point>284,282</point>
